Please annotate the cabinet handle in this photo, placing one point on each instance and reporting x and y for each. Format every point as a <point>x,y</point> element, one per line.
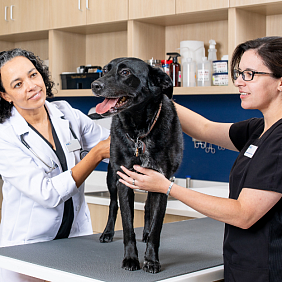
<point>11,16</point>
<point>6,12</point>
<point>79,5</point>
<point>87,4</point>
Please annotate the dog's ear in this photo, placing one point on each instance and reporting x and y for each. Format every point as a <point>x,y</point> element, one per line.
<point>158,78</point>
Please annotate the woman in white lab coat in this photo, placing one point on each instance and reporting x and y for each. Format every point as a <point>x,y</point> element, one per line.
<point>41,144</point>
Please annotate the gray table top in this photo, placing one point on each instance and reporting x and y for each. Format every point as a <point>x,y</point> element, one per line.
<point>186,246</point>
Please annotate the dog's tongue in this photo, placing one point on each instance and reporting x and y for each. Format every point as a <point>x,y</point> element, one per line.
<point>105,105</point>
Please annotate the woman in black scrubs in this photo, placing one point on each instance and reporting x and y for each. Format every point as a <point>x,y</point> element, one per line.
<point>253,212</point>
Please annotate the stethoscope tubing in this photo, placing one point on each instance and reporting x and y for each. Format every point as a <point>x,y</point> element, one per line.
<point>51,168</point>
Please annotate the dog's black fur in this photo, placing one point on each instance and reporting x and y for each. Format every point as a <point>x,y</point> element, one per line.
<point>145,88</point>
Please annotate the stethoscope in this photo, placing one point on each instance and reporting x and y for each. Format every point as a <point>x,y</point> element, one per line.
<point>83,152</point>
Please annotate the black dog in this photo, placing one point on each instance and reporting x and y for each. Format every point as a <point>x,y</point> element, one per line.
<point>145,130</point>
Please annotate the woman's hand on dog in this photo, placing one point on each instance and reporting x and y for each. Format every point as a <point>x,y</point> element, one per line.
<point>103,148</point>
<point>146,179</point>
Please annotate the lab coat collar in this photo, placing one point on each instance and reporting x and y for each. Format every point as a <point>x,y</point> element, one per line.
<point>21,126</point>
<point>18,122</point>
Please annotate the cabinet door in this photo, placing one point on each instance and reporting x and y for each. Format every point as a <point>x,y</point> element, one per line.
<point>106,11</point>
<point>67,13</point>
<point>28,15</point>
<point>5,26</point>
<point>150,8</point>
<point>184,6</point>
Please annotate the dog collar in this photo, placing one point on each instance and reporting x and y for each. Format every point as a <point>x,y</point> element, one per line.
<point>139,144</point>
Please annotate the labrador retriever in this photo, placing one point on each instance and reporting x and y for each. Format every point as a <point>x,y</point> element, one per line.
<point>145,130</point>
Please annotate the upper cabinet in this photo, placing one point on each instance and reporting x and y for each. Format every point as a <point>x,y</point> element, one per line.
<point>184,6</point>
<point>70,33</point>
<point>69,13</point>
<point>150,8</point>
<point>98,11</point>
<point>18,16</point>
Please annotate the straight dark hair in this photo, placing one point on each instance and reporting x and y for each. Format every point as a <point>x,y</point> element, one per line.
<point>268,48</point>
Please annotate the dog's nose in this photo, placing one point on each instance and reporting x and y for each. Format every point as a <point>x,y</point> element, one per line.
<point>97,86</point>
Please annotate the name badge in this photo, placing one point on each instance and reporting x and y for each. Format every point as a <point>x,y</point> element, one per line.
<point>251,151</point>
<point>73,145</point>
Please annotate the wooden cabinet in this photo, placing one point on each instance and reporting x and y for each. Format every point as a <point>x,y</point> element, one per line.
<point>184,6</point>
<point>67,13</point>
<point>23,16</point>
<point>5,17</point>
<point>150,8</point>
<point>106,11</point>
<point>71,13</point>
<point>80,32</point>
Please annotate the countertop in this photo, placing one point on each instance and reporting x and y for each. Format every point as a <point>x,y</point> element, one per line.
<point>96,193</point>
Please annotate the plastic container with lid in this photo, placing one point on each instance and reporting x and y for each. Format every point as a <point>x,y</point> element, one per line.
<point>204,73</point>
<point>212,51</point>
<point>220,79</point>
<point>188,73</point>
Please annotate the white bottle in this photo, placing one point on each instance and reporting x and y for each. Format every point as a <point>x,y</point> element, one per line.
<point>204,73</point>
<point>189,73</point>
<point>212,51</point>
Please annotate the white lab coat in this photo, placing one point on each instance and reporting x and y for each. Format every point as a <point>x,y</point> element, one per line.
<point>33,201</point>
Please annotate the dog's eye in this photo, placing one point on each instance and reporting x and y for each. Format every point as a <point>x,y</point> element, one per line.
<point>125,72</point>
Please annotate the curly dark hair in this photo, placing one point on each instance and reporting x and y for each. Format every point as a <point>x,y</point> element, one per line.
<point>5,56</point>
<point>268,48</point>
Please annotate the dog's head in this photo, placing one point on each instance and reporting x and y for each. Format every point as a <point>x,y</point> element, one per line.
<point>127,82</point>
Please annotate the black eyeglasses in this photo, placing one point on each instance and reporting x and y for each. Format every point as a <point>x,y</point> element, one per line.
<point>247,75</point>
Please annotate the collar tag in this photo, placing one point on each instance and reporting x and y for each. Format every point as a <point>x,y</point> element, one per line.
<point>250,151</point>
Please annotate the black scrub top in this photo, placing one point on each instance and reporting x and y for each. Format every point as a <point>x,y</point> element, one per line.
<point>255,254</point>
<point>68,215</point>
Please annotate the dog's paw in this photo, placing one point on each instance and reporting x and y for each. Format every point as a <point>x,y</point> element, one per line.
<point>151,266</point>
<point>106,237</point>
<point>130,264</point>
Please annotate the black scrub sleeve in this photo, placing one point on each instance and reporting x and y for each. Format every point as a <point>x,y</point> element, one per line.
<point>241,132</point>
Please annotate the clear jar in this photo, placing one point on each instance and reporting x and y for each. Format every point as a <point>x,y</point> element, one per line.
<point>154,63</point>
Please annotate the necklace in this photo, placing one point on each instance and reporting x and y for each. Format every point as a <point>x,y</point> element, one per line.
<point>138,143</point>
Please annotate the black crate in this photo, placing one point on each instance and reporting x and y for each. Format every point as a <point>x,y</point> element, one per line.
<point>79,80</point>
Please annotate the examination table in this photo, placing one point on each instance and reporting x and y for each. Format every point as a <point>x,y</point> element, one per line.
<point>190,250</point>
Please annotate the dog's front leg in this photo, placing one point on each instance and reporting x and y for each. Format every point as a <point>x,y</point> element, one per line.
<point>108,234</point>
<point>147,219</point>
<point>158,203</point>
<point>126,199</point>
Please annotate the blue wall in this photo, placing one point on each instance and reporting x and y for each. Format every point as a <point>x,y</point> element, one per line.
<point>196,162</point>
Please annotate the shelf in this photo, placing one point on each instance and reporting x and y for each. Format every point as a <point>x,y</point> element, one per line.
<point>209,90</point>
<point>263,7</point>
<point>96,28</point>
<point>25,36</point>
<point>73,93</point>
<point>187,18</point>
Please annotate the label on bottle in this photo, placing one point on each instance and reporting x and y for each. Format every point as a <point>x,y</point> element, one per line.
<point>203,75</point>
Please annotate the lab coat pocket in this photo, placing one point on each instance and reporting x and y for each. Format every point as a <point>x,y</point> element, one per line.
<point>44,223</point>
